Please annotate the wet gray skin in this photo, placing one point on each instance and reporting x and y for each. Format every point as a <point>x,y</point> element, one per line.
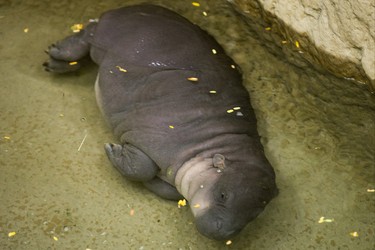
<point>222,201</point>
<point>176,103</point>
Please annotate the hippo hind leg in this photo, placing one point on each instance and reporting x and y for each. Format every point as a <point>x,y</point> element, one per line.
<point>70,53</point>
<point>131,162</point>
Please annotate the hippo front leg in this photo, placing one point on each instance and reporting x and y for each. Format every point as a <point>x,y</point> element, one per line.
<point>131,162</point>
<point>163,189</point>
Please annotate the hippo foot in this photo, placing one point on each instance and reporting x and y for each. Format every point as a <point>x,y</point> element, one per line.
<point>70,53</point>
<point>58,66</point>
<point>131,162</point>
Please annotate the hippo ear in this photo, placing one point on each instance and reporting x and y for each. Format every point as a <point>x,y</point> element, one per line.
<point>219,161</point>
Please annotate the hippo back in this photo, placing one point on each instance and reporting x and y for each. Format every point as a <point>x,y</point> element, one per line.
<point>168,88</point>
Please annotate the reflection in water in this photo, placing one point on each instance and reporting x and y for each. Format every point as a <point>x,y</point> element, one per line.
<point>318,133</point>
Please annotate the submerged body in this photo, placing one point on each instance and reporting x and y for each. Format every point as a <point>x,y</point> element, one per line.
<point>176,102</point>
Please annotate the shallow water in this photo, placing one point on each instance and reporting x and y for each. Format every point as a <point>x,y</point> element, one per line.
<point>59,191</point>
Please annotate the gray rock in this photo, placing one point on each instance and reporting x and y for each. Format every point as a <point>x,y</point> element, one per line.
<point>338,36</point>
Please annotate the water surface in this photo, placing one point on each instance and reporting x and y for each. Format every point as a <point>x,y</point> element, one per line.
<point>59,191</point>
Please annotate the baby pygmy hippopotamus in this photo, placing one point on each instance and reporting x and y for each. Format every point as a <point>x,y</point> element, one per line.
<point>176,103</point>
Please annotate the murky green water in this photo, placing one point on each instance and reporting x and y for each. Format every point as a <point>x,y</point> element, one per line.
<point>318,133</point>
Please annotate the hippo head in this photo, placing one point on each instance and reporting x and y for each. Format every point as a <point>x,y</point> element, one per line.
<point>223,195</point>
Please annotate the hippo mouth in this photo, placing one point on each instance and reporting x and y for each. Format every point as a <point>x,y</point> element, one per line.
<point>194,180</point>
<point>210,225</point>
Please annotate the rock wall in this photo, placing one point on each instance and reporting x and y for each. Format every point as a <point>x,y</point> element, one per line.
<point>335,35</point>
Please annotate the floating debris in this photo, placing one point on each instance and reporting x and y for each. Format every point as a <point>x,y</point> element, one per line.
<point>193,79</point>
<point>121,69</point>
<point>323,219</point>
<point>11,234</point>
<point>181,203</point>
<point>354,234</point>
<point>83,140</point>
<point>77,27</point>
<point>196,4</point>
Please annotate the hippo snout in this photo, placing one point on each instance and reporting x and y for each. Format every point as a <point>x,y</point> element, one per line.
<point>217,228</point>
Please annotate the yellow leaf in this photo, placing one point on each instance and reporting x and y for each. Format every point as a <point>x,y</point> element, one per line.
<point>181,203</point>
<point>354,234</point>
<point>76,27</point>
<point>121,69</point>
<point>11,234</point>
<point>323,219</point>
<point>193,79</point>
